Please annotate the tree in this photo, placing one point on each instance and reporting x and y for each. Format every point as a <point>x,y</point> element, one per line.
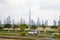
<point>1,27</point>
<point>7,26</point>
<point>54,27</point>
<point>33,27</point>
<point>22,28</point>
<point>15,27</point>
<point>43,26</point>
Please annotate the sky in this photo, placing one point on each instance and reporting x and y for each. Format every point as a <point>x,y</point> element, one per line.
<point>17,9</point>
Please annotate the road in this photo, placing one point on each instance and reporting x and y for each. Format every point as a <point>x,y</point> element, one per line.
<point>27,38</point>
<point>32,39</point>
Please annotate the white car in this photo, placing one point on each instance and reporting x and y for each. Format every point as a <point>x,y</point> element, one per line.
<point>33,32</point>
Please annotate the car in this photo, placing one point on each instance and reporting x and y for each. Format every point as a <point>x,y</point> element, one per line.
<point>33,32</point>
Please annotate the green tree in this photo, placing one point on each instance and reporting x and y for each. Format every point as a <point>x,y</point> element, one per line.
<point>1,27</point>
<point>33,27</point>
<point>22,28</point>
<point>43,26</point>
<point>15,27</point>
<point>54,27</point>
<point>7,26</point>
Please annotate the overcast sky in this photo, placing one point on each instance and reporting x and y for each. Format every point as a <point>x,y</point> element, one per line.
<point>17,9</point>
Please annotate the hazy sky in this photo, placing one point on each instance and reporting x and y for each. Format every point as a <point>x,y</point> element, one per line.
<point>17,9</point>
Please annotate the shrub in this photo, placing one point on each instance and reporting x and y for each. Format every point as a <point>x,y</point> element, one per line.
<point>7,26</point>
<point>49,31</point>
<point>23,33</point>
<point>41,31</point>
<point>1,27</point>
<point>54,27</point>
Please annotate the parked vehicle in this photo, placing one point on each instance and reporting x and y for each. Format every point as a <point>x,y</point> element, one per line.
<point>33,32</point>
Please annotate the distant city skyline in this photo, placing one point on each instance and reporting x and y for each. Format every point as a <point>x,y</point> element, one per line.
<point>17,9</point>
<point>39,22</point>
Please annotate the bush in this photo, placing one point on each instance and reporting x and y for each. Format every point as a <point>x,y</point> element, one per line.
<point>58,36</point>
<point>23,33</point>
<point>1,28</point>
<point>55,35</point>
<point>15,26</point>
<point>49,31</point>
<point>54,27</point>
<point>7,26</point>
<point>41,31</point>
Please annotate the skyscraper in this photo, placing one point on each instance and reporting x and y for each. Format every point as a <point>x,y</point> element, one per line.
<point>21,21</point>
<point>29,6</point>
<point>8,20</point>
<point>54,22</point>
<point>46,22</point>
<point>24,22</point>
<point>4,21</point>
<point>0,21</point>
<point>29,17</point>
<point>32,22</point>
<point>13,22</point>
<point>38,22</point>
<point>59,22</point>
<point>42,22</point>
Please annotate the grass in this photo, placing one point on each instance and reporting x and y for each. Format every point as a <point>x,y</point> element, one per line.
<point>13,33</point>
<point>8,35</point>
